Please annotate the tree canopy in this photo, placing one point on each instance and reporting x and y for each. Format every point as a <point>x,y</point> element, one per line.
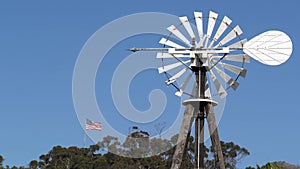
<point>148,153</point>
<point>99,156</point>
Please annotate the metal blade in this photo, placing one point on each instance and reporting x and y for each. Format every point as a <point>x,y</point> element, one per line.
<point>199,24</point>
<point>238,58</point>
<point>234,69</point>
<point>185,22</point>
<point>235,58</point>
<point>171,66</point>
<point>178,34</point>
<point>211,23</point>
<point>167,42</point>
<point>183,85</point>
<point>238,45</point>
<point>237,31</point>
<point>177,75</point>
<point>201,42</point>
<point>232,83</point>
<point>221,91</point>
<point>223,26</point>
<point>206,41</point>
<point>194,91</point>
<point>161,55</point>
<point>207,92</point>
<point>270,48</point>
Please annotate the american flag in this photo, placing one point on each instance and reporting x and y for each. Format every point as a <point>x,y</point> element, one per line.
<point>91,125</point>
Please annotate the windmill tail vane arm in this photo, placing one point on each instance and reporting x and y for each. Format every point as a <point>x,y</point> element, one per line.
<point>147,49</point>
<point>184,49</point>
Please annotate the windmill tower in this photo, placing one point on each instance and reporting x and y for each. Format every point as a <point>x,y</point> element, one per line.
<point>211,63</point>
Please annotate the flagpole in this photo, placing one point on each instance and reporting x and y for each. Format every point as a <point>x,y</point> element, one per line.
<point>84,137</point>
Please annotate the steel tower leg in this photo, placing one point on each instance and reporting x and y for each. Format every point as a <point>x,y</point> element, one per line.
<point>197,151</point>
<point>215,140</point>
<point>202,147</point>
<point>199,122</point>
<point>200,111</point>
<point>182,138</point>
<point>199,142</point>
<point>202,115</point>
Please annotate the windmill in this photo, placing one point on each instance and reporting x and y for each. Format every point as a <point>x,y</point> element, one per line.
<point>210,61</point>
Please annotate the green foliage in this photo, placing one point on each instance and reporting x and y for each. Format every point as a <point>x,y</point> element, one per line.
<point>150,153</point>
<point>285,165</point>
<point>232,154</point>
<point>271,166</point>
<point>267,166</point>
<point>1,160</point>
<point>276,165</point>
<point>33,164</point>
<point>249,168</point>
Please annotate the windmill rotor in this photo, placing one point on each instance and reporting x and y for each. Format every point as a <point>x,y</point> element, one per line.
<point>189,47</point>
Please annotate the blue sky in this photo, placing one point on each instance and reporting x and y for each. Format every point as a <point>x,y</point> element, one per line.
<point>41,40</point>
